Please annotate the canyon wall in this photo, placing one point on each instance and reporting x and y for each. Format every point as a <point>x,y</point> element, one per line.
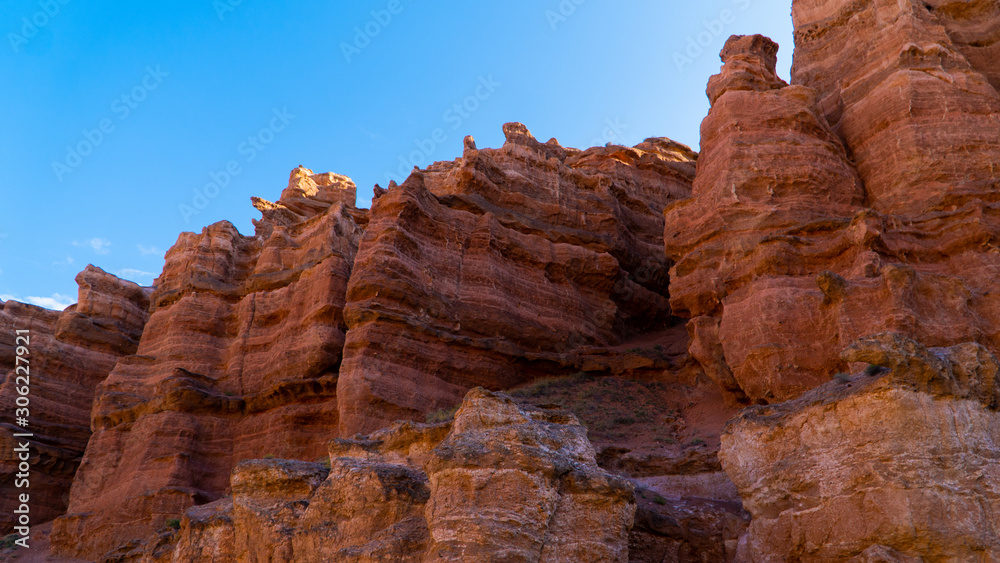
<point>894,466</point>
<point>239,360</point>
<point>821,276</point>
<point>501,482</point>
<point>862,198</point>
<point>68,354</point>
<point>501,267</point>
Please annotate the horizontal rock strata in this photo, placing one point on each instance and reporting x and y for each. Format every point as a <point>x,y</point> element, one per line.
<point>69,353</point>
<point>895,466</point>
<point>239,360</point>
<point>501,482</point>
<point>503,266</point>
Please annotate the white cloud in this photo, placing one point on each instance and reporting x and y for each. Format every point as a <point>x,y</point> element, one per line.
<point>130,273</point>
<point>58,301</point>
<point>99,245</point>
<point>69,260</point>
<point>149,250</point>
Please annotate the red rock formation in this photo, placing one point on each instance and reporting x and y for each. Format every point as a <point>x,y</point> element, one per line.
<point>771,207</point>
<point>974,28</point>
<point>778,241</point>
<point>239,360</point>
<point>500,482</point>
<point>860,199</point>
<point>897,466</point>
<point>922,122</point>
<point>495,268</point>
<point>69,353</point>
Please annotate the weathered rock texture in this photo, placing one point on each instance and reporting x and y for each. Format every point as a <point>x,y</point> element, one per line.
<point>921,119</point>
<point>772,206</point>
<point>239,360</point>
<point>499,267</point>
<point>899,466</point>
<point>69,354</point>
<point>500,483</point>
<point>860,200</point>
<point>782,238</point>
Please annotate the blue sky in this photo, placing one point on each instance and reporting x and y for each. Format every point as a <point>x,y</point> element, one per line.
<point>130,122</point>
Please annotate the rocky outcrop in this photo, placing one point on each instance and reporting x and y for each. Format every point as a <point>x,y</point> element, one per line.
<point>500,482</point>
<point>856,205</point>
<point>503,266</point>
<point>921,120</point>
<point>69,353</point>
<point>239,360</point>
<point>773,205</point>
<point>974,29</point>
<point>782,239</point>
<point>896,464</point>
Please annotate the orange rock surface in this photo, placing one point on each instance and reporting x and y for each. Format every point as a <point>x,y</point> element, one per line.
<point>895,466</point>
<point>69,354</point>
<point>501,267</point>
<point>501,482</point>
<point>218,376</point>
<point>827,264</point>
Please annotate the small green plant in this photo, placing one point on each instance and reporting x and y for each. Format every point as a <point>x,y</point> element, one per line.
<point>442,415</point>
<point>666,440</point>
<point>269,456</point>
<point>658,347</point>
<point>659,500</point>
<point>696,442</point>
<point>842,377</point>
<point>873,369</point>
<point>173,523</point>
<point>229,393</point>
<point>624,420</point>
<point>8,541</point>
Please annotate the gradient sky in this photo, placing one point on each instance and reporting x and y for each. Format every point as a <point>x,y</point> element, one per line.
<point>117,112</point>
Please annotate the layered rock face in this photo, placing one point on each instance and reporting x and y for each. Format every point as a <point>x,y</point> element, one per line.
<point>503,266</point>
<point>907,84</point>
<point>974,28</point>
<point>239,359</point>
<point>502,482</point>
<point>773,206</point>
<point>69,354</point>
<point>782,238</point>
<point>896,466</point>
<point>855,208</point>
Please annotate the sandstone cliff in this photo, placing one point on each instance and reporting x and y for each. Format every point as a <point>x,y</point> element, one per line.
<point>214,379</point>
<point>826,264</point>
<point>69,354</point>
<point>893,466</point>
<point>500,268</point>
<point>504,266</point>
<point>500,482</point>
